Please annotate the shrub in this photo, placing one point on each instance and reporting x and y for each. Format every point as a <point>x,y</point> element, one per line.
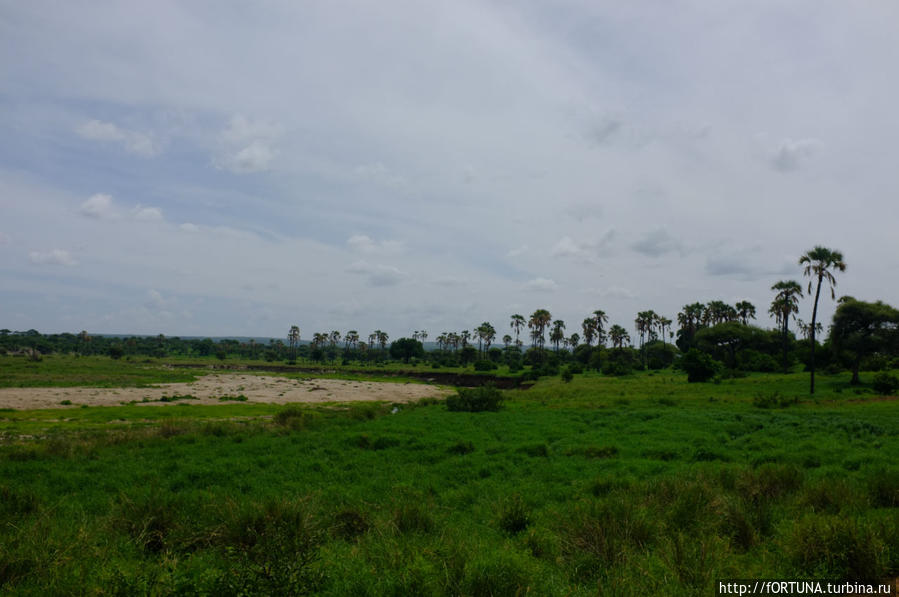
<point>885,383</point>
<point>461,447</point>
<point>619,361</point>
<point>514,516</point>
<point>567,375</point>
<point>699,366</point>
<point>835,547</point>
<point>483,365</point>
<point>483,398</point>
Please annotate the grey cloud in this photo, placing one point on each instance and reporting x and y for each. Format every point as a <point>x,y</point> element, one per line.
<point>52,257</point>
<point>541,285</point>
<point>657,243</point>
<point>790,155</point>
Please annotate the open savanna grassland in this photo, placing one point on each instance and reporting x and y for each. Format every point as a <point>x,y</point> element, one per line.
<point>638,485</point>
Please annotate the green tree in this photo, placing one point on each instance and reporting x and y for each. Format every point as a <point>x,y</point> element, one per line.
<point>745,311</point>
<point>293,340</point>
<point>406,349</point>
<point>557,334</point>
<point>784,306</point>
<point>820,263</point>
<point>538,322</point>
<point>518,322</point>
<point>618,336</point>
<point>863,329</point>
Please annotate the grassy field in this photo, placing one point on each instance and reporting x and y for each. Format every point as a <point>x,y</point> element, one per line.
<point>637,485</point>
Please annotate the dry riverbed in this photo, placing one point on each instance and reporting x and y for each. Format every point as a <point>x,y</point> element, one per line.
<point>210,388</point>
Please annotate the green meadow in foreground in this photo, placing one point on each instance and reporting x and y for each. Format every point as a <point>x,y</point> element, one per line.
<point>638,485</point>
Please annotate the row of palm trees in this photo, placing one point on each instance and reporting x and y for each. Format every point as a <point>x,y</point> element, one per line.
<point>819,264</point>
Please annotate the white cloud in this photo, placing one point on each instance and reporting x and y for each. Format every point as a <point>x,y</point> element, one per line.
<point>790,154</point>
<point>52,257</point>
<point>517,252</point>
<point>133,141</point>
<point>377,275</point>
<point>365,244</point>
<point>541,285</point>
<point>146,214</point>
<point>248,146</point>
<point>255,157</point>
<point>98,206</point>
<point>379,174</point>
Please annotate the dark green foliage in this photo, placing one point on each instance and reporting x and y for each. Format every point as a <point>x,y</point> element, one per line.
<point>116,351</point>
<point>883,487</point>
<point>836,547</point>
<point>885,384</point>
<point>567,374</point>
<point>699,366</point>
<point>619,361</point>
<point>514,516</point>
<point>461,447</point>
<point>659,355</point>
<point>483,398</point>
<point>349,524</point>
<point>483,365</point>
<point>773,400</point>
<point>238,398</point>
<point>405,349</point>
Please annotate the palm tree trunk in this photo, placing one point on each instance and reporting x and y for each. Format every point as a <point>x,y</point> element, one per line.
<point>814,316</point>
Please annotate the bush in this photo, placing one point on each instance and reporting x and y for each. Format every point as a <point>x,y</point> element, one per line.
<point>483,398</point>
<point>619,361</point>
<point>835,547</point>
<point>514,516</point>
<point>885,383</point>
<point>483,365</point>
<point>699,366</point>
<point>567,375</point>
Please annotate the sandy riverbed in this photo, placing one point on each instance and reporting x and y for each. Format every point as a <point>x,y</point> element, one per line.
<point>208,390</point>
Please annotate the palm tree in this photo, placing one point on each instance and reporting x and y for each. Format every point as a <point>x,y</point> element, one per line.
<point>558,333</point>
<point>664,323</point>
<point>487,333</point>
<point>350,339</point>
<point>601,319</point>
<point>293,339</point>
<point>518,322</point>
<point>589,327</point>
<point>574,340</point>
<point>745,311</point>
<point>785,305</point>
<point>507,340</point>
<point>820,263</point>
<point>618,335</point>
<point>382,339</point>
<point>538,322</point>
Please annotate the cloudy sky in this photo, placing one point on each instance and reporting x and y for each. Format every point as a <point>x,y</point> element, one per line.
<point>223,168</point>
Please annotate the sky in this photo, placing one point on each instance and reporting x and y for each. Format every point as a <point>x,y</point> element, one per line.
<point>224,168</point>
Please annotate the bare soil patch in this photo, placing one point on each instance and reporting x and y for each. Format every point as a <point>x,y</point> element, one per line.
<point>208,389</point>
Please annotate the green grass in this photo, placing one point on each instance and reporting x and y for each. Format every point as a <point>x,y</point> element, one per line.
<point>640,485</point>
<point>103,372</point>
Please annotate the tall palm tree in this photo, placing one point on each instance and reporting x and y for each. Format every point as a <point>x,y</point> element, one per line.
<point>293,339</point>
<point>538,322</point>
<point>745,311</point>
<point>574,340</point>
<point>518,322</point>
<point>601,319</point>
<point>618,336</point>
<point>589,327</point>
<point>507,340</point>
<point>784,306</point>
<point>820,263</point>
<point>558,333</point>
